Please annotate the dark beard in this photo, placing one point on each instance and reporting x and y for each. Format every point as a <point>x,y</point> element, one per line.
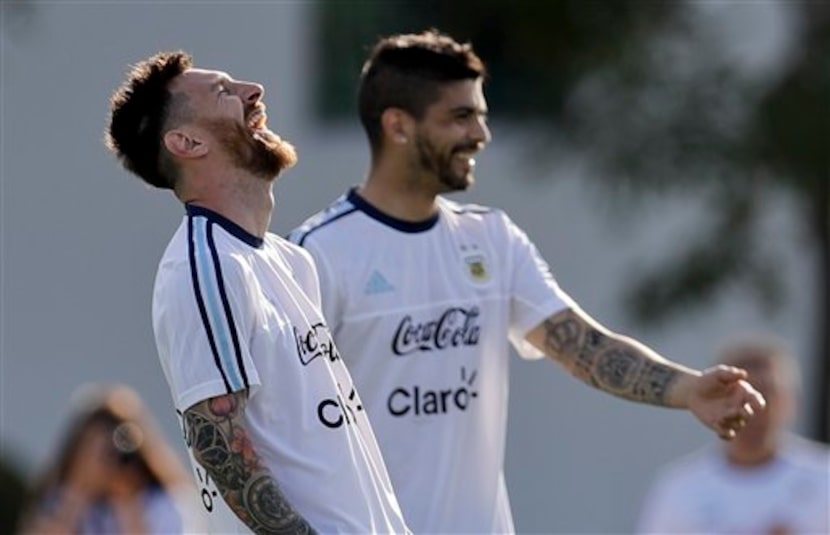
<point>441,166</point>
<point>261,153</point>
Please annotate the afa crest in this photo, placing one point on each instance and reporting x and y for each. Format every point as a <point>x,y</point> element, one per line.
<point>477,268</point>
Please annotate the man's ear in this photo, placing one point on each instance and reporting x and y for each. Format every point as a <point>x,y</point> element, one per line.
<point>398,126</point>
<point>184,144</point>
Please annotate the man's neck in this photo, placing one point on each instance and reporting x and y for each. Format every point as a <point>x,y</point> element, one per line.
<point>399,193</point>
<point>245,199</point>
<point>751,456</point>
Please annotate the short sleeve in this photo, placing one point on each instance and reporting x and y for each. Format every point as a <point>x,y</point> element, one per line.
<point>204,313</point>
<point>535,294</point>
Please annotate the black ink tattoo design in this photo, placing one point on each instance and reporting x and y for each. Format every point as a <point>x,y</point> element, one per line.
<point>656,380</point>
<point>222,445</point>
<point>617,369</point>
<point>608,363</point>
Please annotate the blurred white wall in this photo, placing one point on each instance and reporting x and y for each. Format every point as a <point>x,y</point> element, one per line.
<point>81,240</point>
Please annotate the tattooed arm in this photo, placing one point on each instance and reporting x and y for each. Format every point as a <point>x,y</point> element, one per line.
<point>719,396</point>
<point>221,443</point>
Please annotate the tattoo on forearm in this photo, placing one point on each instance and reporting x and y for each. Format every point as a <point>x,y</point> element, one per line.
<point>222,445</point>
<point>605,362</point>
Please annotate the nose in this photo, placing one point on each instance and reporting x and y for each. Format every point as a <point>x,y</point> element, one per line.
<point>251,92</point>
<point>481,133</point>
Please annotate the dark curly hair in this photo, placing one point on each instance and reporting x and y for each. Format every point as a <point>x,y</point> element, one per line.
<point>140,110</point>
<point>407,71</point>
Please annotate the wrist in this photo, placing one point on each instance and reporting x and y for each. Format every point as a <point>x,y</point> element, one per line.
<point>681,390</point>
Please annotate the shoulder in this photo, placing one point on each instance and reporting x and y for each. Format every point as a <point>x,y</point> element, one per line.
<point>177,248</point>
<point>189,267</point>
<point>688,468</point>
<point>477,218</point>
<point>807,454</point>
<point>291,252</point>
<point>468,209</point>
<point>325,219</point>
<point>671,497</point>
<point>478,213</point>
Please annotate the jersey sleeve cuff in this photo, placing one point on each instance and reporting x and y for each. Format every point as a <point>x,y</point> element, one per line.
<point>205,391</point>
<point>529,322</point>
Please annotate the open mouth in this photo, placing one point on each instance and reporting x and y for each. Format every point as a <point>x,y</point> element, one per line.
<point>257,119</point>
<point>467,158</point>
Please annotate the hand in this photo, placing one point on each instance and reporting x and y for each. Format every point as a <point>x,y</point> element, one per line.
<point>723,400</point>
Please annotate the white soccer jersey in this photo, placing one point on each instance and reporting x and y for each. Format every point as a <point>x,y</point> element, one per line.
<point>703,493</point>
<point>421,314</point>
<point>232,311</point>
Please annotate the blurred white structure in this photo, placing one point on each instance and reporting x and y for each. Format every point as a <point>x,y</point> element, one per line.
<point>81,240</point>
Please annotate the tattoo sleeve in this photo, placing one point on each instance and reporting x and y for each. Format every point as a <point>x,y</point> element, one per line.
<point>606,361</point>
<point>221,443</point>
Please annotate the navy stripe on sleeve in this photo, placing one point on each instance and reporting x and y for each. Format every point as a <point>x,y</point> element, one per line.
<point>220,280</point>
<point>191,251</point>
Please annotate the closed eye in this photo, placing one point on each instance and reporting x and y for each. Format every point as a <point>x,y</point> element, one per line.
<point>465,114</point>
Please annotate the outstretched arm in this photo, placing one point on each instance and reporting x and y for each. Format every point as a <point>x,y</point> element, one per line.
<point>719,397</point>
<point>221,443</point>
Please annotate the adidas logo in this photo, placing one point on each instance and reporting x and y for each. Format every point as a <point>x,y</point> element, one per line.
<point>377,285</point>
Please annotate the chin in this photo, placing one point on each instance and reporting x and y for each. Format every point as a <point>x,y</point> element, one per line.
<point>464,185</point>
<point>457,183</point>
<point>282,154</point>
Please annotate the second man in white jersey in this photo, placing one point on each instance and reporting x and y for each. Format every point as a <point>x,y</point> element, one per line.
<point>423,294</point>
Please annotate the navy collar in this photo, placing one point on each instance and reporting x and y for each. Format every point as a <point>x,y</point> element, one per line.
<point>229,226</point>
<point>398,224</point>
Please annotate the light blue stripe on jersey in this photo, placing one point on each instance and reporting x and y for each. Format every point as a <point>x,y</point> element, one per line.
<point>210,293</point>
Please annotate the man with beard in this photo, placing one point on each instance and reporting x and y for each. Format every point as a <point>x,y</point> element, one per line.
<point>268,410</point>
<point>423,294</point>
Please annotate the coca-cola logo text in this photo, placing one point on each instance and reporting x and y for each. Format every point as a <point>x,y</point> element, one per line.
<point>455,327</point>
<point>315,343</point>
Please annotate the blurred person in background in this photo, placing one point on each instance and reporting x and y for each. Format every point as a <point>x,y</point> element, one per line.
<point>765,481</point>
<point>424,294</point>
<point>113,473</point>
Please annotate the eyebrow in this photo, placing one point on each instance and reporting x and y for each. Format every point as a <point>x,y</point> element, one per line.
<point>222,79</point>
<point>458,110</point>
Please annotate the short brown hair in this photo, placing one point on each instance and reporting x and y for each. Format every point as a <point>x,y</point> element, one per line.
<point>139,111</point>
<point>760,351</point>
<point>407,71</point>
